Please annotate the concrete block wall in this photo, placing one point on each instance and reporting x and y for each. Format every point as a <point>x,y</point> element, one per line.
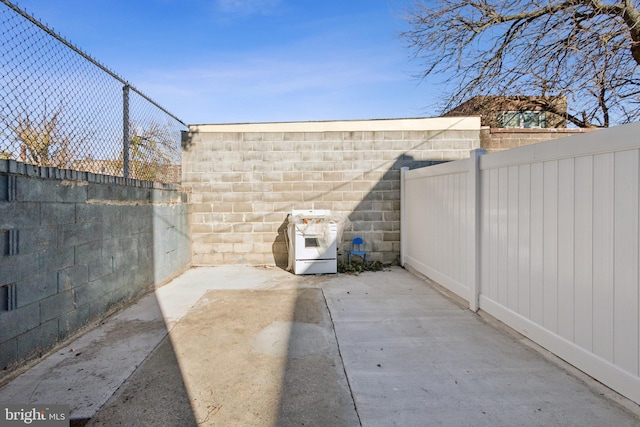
<point>75,246</point>
<point>498,139</point>
<point>243,180</point>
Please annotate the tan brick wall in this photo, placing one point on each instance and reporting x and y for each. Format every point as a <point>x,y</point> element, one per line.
<point>243,184</point>
<point>497,139</point>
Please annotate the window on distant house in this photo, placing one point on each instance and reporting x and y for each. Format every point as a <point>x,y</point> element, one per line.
<point>522,119</point>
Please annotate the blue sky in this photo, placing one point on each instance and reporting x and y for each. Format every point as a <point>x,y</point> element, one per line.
<point>230,61</point>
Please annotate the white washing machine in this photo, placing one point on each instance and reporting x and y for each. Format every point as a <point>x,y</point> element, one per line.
<point>314,236</point>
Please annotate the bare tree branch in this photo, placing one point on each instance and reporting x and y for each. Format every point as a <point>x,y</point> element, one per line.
<point>587,50</point>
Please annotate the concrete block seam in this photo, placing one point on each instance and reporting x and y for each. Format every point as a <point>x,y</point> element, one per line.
<point>13,242</point>
<point>11,188</point>
<point>11,296</point>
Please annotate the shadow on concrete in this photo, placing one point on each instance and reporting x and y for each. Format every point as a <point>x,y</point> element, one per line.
<point>133,355</point>
<point>125,371</point>
<point>314,390</point>
<point>155,394</point>
<point>157,387</point>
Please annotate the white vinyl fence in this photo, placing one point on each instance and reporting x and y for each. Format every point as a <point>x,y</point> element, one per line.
<point>546,239</point>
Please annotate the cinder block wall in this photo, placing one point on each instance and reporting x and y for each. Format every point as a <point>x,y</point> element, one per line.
<point>243,180</point>
<point>498,139</point>
<point>75,246</point>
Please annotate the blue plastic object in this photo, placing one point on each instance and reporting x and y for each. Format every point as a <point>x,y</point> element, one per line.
<point>356,249</point>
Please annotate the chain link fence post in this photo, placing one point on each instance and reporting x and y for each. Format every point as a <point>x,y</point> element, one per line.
<point>125,131</point>
<point>61,108</point>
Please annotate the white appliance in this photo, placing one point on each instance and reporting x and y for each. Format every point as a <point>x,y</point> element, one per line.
<point>313,235</point>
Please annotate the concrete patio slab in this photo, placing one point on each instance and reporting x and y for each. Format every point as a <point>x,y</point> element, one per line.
<point>86,372</point>
<point>240,345</point>
<point>415,358</point>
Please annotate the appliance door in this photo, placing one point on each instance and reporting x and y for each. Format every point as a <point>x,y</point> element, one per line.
<point>311,247</point>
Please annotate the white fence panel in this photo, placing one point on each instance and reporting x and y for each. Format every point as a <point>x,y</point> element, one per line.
<point>438,224</point>
<point>555,251</point>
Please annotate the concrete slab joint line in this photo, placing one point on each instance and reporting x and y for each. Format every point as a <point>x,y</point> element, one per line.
<point>234,345</point>
<point>344,369</point>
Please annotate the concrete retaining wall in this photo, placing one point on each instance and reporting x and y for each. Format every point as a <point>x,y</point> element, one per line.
<point>74,246</point>
<point>244,179</point>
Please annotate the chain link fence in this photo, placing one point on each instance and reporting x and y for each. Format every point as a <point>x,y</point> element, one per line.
<point>61,108</point>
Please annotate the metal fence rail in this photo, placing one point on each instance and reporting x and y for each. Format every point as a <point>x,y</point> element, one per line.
<point>59,107</point>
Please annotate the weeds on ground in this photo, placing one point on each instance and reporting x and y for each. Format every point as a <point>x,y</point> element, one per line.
<point>359,267</point>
